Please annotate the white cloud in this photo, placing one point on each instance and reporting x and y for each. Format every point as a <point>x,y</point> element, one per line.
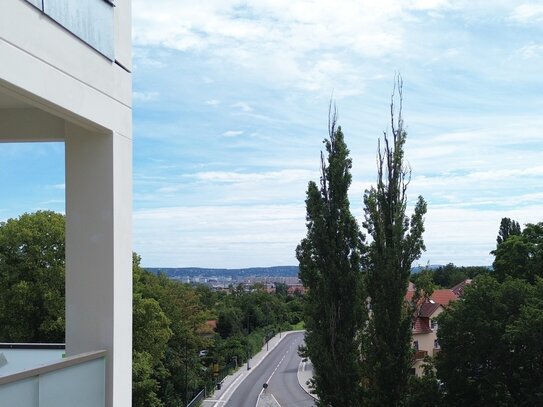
<point>474,134</point>
<point>232,133</point>
<point>219,236</point>
<point>528,13</point>
<point>428,4</point>
<point>531,51</point>
<point>141,58</point>
<point>466,236</point>
<point>145,96</point>
<point>283,176</point>
<point>243,106</point>
<point>279,40</point>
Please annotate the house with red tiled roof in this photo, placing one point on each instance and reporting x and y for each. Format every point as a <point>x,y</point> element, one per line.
<point>442,296</point>
<point>424,329</point>
<point>424,333</point>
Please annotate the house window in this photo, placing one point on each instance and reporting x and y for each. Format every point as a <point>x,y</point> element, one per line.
<point>433,324</point>
<point>416,345</point>
<point>436,344</point>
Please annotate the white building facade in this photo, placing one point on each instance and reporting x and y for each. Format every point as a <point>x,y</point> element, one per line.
<point>65,75</point>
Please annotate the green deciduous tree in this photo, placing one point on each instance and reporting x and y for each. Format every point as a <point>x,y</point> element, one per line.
<point>330,267</point>
<point>32,267</point>
<point>396,243</point>
<point>521,255</point>
<point>152,332</point>
<point>424,391</point>
<point>491,352</point>
<point>167,315</point>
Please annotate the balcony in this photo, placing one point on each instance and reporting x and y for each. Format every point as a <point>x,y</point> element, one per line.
<point>89,20</point>
<point>31,377</point>
<point>420,354</point>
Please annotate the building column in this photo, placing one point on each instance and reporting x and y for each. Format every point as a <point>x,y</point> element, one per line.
<point>99,253</point>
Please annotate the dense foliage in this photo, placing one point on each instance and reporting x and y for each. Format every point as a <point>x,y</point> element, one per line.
<point>169,318</point>
<point>170,331</point>
<point>396,243</point>
<point>165,342</point>
<point>330,267</point>
<point>521,255</point>
<point>449,275</point>
<point>491,350</point>
<point>491,339</point>
<point>32,266</point>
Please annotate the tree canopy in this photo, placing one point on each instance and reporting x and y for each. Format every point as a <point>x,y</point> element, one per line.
<point>521,255</point>
<point>396,243</point>
<point>330,267</point>
<point>490,341</point>
<point>32,265</point>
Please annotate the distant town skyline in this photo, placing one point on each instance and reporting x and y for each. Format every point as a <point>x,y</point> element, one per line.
<point>230,110</point>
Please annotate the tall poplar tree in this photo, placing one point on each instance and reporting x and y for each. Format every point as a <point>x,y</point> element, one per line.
<point>330,267</point>
<point>396,243</point>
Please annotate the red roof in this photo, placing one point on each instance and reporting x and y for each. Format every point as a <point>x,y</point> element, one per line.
<point>421,326</point>
<point>428,308</point>
<point>443,297</point>
<point>207,328</point>
<point>458,289</point>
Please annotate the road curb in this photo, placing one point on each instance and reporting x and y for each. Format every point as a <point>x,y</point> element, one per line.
<point>303,382</point>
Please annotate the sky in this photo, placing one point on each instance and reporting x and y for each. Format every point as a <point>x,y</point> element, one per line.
<point>231,101</point>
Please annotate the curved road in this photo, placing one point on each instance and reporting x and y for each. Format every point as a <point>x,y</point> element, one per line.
<point>279,369</point>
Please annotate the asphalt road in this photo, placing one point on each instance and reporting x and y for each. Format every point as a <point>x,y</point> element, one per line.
<point>279,370</point>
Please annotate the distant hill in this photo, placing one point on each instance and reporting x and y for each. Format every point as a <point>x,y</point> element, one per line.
<point>418,269</point>
<point>276,271</point>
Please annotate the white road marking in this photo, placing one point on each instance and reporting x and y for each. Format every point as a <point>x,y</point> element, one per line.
<point>275,400</point>
<point>269,378</point>
<point>235,384</point>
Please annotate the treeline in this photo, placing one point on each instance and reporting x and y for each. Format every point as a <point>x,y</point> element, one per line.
<point>175,345</point>
<point>449,275</point>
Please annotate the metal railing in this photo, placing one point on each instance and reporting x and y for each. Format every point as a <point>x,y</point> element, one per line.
<point>199,397</point>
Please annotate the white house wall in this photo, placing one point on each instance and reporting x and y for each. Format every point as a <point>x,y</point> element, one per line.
<point>51,66</point>
<point>55,87</point>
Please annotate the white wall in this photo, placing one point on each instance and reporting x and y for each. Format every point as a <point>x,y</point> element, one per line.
<point>53,86</point>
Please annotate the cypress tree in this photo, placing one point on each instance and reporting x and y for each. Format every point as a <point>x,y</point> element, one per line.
<point>396,243</point>
<point>330,267</point>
